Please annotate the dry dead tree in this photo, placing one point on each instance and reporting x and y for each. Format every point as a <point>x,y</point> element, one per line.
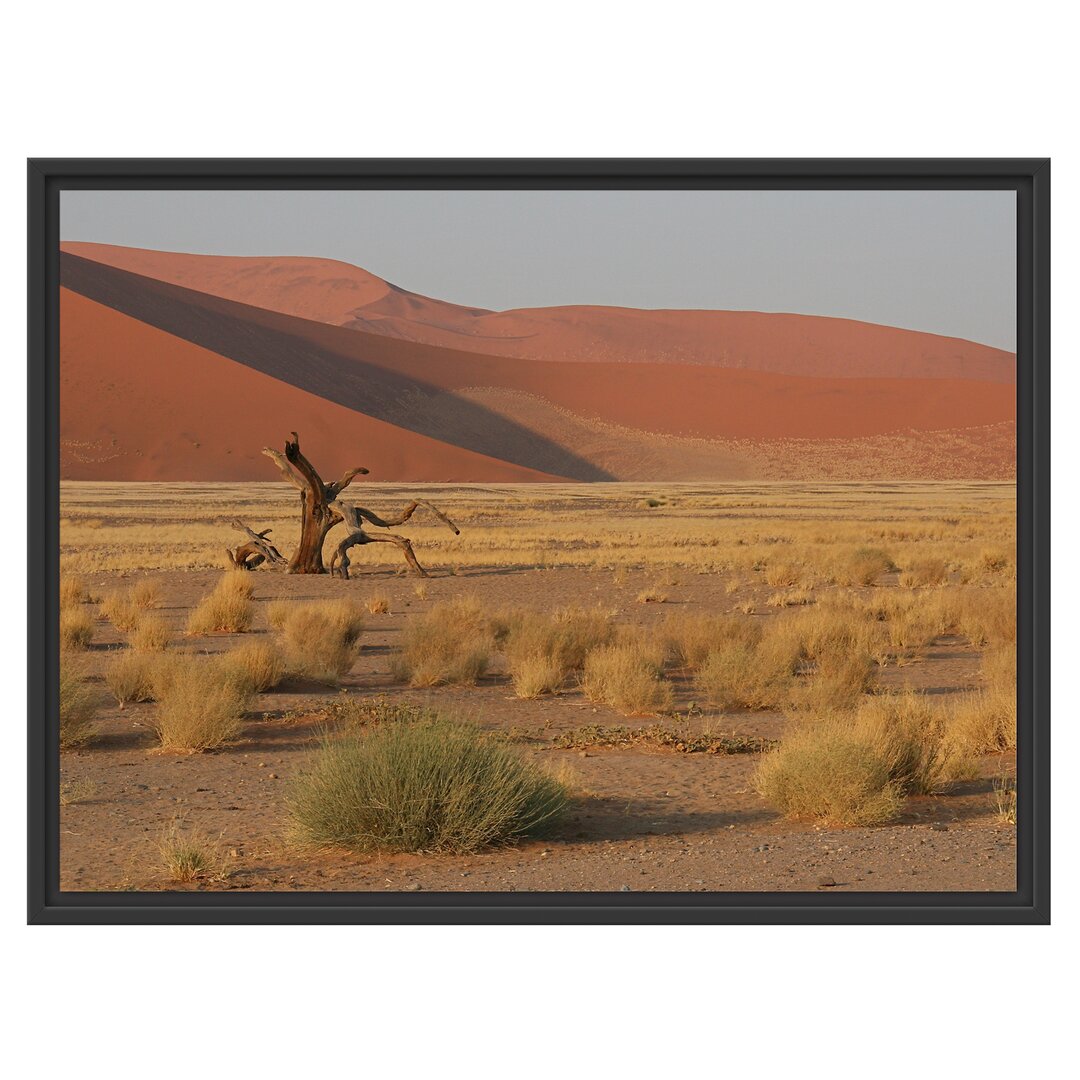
<point>256,551</point>
<point>355,516</point>
<point>321,510</point>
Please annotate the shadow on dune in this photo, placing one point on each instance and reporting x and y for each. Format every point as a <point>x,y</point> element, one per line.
<point>400,382</point>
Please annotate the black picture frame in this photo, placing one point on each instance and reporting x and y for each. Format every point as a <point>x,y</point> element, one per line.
<point>1030,904</point>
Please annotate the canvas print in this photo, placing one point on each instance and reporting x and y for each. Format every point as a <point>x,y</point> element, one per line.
<point>538,541</point>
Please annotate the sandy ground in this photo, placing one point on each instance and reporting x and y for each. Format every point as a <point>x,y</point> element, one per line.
<point>643,820</point>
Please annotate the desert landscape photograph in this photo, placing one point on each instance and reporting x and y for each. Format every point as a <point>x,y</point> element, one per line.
<point>537,541</point>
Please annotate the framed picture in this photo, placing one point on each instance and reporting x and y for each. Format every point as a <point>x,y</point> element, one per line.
<point>539,541</point>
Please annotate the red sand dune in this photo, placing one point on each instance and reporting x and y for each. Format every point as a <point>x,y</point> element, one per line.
<point>340,294</point>
<point>420,401</point>
<point>139,404</point>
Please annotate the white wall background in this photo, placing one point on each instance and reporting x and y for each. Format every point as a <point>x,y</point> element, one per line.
<point>530,79</point>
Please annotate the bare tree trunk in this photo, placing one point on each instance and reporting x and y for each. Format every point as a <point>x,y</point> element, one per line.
<point>321,509</point>
<point>317,518</point>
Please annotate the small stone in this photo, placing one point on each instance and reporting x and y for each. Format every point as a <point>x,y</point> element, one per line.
<point>272,776</point>
<point>826,882</point>
<point>939,826</point>
<point>583,753</point>
<point>625,888</point>
<point>414,887</point>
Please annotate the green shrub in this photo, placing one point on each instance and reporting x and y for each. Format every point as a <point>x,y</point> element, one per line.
<point>426,784</point>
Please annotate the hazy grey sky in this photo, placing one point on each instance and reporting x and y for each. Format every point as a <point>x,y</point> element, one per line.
<point>940,261</point>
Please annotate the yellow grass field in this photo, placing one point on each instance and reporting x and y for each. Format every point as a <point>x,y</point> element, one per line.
<point>809,530</point>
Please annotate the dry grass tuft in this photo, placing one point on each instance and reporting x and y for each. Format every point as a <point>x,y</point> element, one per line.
<point>628,676</point>
<point>986,616</point>
<point>76,628</point>
<point>188,856</point>
<point>1003,799</point>
<point>535,675</point>
<point>147,594</point>
<point>121,610</point>
<point>199,705</point>
<point>690,638</point>
<point>783,575</point>
<point>236,583</point>
<point>320,639</point>
<point>150,635</point>
<point>72,591</point>
<point>73,792</point>
<point>378,604</point>
<point>746,675</point>
<point>226,610</point>
<point>913,737</point>
<point>426,784</point>
<point>924,572</point>
<point>791,598</point>
<point>78,704</point>
<point>277,613</point>
<point>450,644</point>
<point>255,666</point>
<point>864,566</point>
<point>826,772</point>
<point>130,678</point>
<point>542,651</point>
<point>420,590</point>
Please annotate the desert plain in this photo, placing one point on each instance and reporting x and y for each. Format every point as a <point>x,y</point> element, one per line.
<point>663,779</point>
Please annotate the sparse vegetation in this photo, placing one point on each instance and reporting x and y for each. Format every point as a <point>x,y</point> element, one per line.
<point>628,676</point>
<point>129,678</point>
<point>425,784</point>
<point>683,742</point>
<point>121,610</point>
<point>189,856</point>
<point>450,644</point>
<point>864,566</point>
<point>255,666</point>
<point>146,594</point>
<point>825,771</point>
<point>78,705</point>
<point>199,706</point>
<point>652,595</point>
<point>320,639</point>
<point>72,591</point>
<point>151,634</point>
<point>543,651</point>
<point>377,604</point>
<point>227,610</point>
<point>1003,798</point>
<point>76,628</point>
